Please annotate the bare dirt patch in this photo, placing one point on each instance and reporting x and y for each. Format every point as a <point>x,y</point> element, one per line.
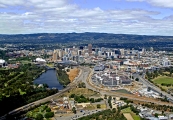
<point>128,116</point>
<point>73,73</point>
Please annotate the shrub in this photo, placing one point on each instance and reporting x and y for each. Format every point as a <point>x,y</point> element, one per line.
<point>48,114</point>
<point>48,109</point>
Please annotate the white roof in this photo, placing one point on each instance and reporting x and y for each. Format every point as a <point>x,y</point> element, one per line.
<point>40,60</point>
<point>2,61</point>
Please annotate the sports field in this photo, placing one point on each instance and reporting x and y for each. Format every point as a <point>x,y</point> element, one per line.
<point>129,114</point>
<point>163,79</point>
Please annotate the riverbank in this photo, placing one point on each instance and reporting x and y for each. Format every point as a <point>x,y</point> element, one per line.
<point>73,73</point>
<point>49,77</point>
<point>63,77</point>
<point>39,74</point>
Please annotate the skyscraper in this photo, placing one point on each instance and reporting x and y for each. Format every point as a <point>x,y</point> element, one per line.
<point>54,55</point>
<point>89,48</point>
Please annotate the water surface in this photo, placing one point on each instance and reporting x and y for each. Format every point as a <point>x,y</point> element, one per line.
<point>50,78</point>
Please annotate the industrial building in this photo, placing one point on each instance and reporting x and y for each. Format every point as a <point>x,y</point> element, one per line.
<point>110,79</point>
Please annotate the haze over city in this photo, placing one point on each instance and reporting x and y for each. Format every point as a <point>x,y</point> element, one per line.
<point>143,17</point>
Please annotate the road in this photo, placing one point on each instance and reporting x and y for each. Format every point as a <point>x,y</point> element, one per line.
<point>85,76</point>
<point>152,86</point>
<point>70,86</point>
<point>89,85</point>
<point>77,115</point>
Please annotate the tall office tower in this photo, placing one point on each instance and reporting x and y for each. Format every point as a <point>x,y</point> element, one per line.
<point>66,50</point>
<point>122,51</point>
<point>55,55</point>
<point>60,53</point>
<point>79,52</point>
<point>89,48</point>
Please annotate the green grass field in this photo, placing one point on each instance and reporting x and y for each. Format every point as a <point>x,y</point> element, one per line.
<point>123,91</point>
<point>128,110</point>
<point>163,79</point>
<point>134,116</point>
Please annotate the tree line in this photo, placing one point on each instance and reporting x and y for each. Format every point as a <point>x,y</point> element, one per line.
<point>17,88</point>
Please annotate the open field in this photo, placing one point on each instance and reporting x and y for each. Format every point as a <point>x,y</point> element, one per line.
<point>126,110</point>
<point>25,61</point>
<point>167,73</point>
<point>50,65</point>
<point>89,107</point>
<point>102,106</point>
<point>128,116</point>
<point>134,116</point>
<point>80,91</point>
<point>123,91</point>
<point>163,79</point>
<point>73,73</point>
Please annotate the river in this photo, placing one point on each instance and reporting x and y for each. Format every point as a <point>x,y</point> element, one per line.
<point>50,78</point>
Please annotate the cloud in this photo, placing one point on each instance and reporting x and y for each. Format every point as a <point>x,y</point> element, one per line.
<point>40,16</point>
<point>160,3</point>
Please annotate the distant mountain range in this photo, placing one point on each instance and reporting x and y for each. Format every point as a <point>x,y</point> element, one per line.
<point>59,40</point>
<point>82,38</point>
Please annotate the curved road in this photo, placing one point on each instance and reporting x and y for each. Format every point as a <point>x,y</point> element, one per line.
<point>89,85</point>
<point>85,76</point>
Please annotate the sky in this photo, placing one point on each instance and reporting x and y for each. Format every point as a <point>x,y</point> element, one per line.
<point>142,17</point>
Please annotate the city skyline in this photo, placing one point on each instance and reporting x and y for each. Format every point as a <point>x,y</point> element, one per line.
<point>142,17</point>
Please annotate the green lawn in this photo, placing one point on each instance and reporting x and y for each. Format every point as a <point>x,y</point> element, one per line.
<point>134,116</point>
<point>3,68</point>
<point>25,61</point>
<point>123,91</point>
<point>163,79</point>
<point>128,110</point>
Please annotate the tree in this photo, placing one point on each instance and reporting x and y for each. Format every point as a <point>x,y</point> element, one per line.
<point>49,115</point>
<point>98,106</point>
<point>105,97</point>
<point>68,70</point>
<point>72,95</point>
<point>39,117</point>
<point>74,110</point>
<point>45,85</point>
<point>48,109</point>
<point>92,100</point>
<point>156,114</point>
<point>137,79</point>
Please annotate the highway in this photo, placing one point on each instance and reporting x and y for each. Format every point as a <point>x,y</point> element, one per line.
<point>70,86</point>
<point>152,86</point>
<point>89,85</point>
<point>85,76</point>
